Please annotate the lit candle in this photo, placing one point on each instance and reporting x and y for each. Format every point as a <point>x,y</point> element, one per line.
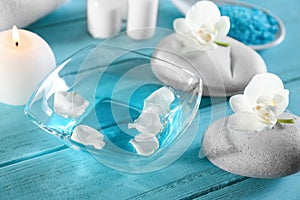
<point>25,59</point>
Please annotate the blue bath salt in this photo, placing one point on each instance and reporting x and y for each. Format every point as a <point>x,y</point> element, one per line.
<point>250,25</point>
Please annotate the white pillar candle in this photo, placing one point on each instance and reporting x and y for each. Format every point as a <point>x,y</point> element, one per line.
<point>104,18</point>
<point>25,59</point>
<point>141,14</point>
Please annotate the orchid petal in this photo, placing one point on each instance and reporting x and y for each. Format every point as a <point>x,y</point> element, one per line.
<point>223,27</point>
<point>203,13</point>
<point>181,26</point>
<point>148,122</point>
<point>281,101</point>
<point>239,103</point>
<point>265,84</point>
<point>143,137</point>
<point>87,135</point>
<point>265,100</point>
<point>145,147</point>
<point>266,114</point>
<point>69,104</point>
<point>189,44</point>
<point>160,101</point>
<point>245,122</point>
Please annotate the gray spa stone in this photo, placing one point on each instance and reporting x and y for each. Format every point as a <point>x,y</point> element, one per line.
<point>266,154</point>
<point>225,71</point>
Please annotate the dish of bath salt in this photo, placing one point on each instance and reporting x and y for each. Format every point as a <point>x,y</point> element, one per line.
<point>250,24</point>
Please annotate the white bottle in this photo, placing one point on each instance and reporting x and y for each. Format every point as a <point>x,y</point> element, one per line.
<point>104,18</point>
<point>124,9</point>
<point>142,18</point>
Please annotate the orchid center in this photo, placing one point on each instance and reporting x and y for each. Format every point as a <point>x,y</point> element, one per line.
<point>265,113</point>
<point>206,35</point>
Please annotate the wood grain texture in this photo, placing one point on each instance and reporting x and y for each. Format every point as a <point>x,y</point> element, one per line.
<point>35,165</point>
<point>283,188</point>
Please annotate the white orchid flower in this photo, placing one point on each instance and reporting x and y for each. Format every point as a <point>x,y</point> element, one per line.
<point>264,99</point>
<point>204,25</point>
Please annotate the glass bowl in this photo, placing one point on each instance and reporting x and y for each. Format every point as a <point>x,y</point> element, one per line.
<point>116,84</point>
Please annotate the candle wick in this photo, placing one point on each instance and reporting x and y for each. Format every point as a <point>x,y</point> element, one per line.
<point>17,44</point>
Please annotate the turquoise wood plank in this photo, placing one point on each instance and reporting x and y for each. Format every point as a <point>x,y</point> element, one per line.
<point>19,138</point>
<point>193,177</point>
<point>279,59</point>
<point>283,188</point>
<point>81,176</point>
<point>191,183</point>
<point>76,176</point>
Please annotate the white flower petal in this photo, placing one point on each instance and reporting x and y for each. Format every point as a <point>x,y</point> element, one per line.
<point>239,103</point>
<point>148,122</point>
<point>204,13</point>
<point>69,104</point>
<point>281,101</point>
<point>87,135</point>
<point>143,136</point>
<point>265,84</point>
<point>190,44</point>
<point>265,100</point>
<point>145,147</point>
<point>160,101</point>
<point>245,122</point>
<point>181,26</point>
<point>266,113</point>
<point>223,27</point>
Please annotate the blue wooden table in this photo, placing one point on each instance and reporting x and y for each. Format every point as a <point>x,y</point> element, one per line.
<point>36,165</point>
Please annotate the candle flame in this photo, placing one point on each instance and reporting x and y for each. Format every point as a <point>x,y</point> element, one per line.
<point>15,35</point>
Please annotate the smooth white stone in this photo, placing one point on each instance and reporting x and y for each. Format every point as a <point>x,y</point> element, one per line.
<point>145,147</point>
<point>104,18</point>
<point>225,71</point>
<point>142,15</point>
<point>266,154</point>
<point>24,12</point>
<point>87,135</point>
<point>69,104</point>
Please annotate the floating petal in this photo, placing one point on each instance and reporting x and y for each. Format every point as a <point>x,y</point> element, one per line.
<point>161,98</point>
<point>145,147</point>
<point>87,135</point>
<point>69,104</point>
<point>148,122</point>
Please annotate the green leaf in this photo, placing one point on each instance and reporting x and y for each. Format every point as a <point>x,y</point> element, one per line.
<point>285,121</point>
<point>223,44</point>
